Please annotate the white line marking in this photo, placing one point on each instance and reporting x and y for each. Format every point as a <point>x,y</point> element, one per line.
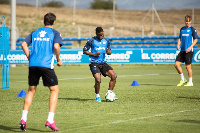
<point>103,77</point>
<point>140,118</point>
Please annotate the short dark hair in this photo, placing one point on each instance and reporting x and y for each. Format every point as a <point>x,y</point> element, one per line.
<point>99,29</point>
<point>49,19</point>
<point>188,17</point>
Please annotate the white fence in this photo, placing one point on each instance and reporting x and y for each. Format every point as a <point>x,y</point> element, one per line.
<point>143,30</point>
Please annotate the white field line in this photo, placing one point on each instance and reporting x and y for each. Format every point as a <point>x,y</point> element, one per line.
<point>135,119</point>
<point>92,77</point>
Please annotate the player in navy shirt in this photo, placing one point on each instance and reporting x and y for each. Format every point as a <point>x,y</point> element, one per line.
<point>45,43</point>
<point>97,47</point>
<point>187,39</point>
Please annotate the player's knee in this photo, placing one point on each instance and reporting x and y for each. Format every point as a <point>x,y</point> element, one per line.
<point>114,77</point>
<point>98,80</point>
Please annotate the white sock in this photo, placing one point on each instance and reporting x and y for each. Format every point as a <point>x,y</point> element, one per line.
<point>109,91</point>
<point>51,117</point>
<point>182,77</point>
<point>190,79</point>
<point>97,95</point>
<point>24,115</point>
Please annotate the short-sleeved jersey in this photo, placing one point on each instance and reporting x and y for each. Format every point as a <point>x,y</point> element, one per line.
<point>97,45</point>
<point>42,52</point>
<point>187,35</point>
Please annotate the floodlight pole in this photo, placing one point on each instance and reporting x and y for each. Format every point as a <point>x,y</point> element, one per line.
<point>36,5</point>
<point>13,24</point>
<point>113,12</point>
<point>193,16</point>
<point>152,17</point>
<point>74,13</point>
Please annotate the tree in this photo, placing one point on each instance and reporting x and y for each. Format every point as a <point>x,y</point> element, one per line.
<point>4,1</point>
<point>102,4</point>
<point>53,4</point>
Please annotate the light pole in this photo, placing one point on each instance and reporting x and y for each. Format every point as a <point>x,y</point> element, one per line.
<point>74,13</point>
<point>113,12</point>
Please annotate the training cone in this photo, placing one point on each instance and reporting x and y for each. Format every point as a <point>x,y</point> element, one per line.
<point>135,83</point>
<point>22,94</point>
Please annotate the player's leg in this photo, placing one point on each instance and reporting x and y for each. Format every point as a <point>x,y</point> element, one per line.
<point>33,80</point>
<point>188,63</point>
<point>50,79</point>
<point>94,68</point>
<point>113,77</point>
<point>27,104</point>
<point>177,65</point>
<point>97,78</point>
<point>108,71</point>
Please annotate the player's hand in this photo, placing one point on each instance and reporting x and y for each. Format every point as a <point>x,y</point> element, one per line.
<point>188,50</point>
<point>59,63</point>
<point>108,51</point>
<point>178,47</point>
<point>97,54</point>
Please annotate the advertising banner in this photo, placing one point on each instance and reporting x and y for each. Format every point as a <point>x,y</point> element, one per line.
<point>122,56</point>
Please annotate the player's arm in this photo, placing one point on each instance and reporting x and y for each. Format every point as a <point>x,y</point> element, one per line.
<point>57,53</point>
<point>195,39</point>
<point>25,49</point>
<point>108,49</point>
<point>189,49</point>
<point>87,46</point>
<point>25,43</point>
<point>91,54</point>
<point>178,44</point>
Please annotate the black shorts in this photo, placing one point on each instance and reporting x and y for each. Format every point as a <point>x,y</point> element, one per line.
<point>48,76</point>
<point>100,67</point>
<point>185,57</point>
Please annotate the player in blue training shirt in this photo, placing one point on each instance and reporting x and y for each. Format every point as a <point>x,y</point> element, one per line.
<point>45,43</point>
<point>99,47</point>
<point>187,39</point>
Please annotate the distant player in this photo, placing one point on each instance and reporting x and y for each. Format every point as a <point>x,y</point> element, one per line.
<point>187,39</point>
<point>45,43</point>
<point>99,47</point>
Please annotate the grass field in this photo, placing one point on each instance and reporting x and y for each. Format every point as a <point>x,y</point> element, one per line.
<point>156,106</point>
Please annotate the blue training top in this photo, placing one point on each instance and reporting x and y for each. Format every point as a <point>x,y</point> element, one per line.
<point>42,53</point>
<point>187,35</point>
<point>97,45</point>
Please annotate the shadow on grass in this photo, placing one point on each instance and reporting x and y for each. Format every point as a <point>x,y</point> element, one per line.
<point>79,99</point>
<point>156,85</point>
<point>189,121</point>
<point>189,98</point>
<point>76,99</point>
<point>14,129</point>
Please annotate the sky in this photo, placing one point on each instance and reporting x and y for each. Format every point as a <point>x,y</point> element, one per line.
<point>128,4</point>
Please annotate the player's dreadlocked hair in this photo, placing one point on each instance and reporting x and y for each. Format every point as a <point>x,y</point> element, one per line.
<point>99,29</point>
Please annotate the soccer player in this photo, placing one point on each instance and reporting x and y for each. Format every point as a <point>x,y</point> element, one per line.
<point>99,47</point>
<point>45,43</point>
<point>187,39</point>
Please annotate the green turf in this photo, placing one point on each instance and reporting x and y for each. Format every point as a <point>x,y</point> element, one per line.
<point>156,106</point>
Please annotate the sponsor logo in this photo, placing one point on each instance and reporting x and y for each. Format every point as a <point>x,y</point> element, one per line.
<point>41,38</point>
<point>100,48</point>
<point>185,34</point>
<point>42,33</point>
<point>197,56</point>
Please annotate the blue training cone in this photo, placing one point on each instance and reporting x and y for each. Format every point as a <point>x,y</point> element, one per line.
<point>22,94</point>
<point>135,83</point>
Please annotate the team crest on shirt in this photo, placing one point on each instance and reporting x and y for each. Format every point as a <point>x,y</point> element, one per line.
<point>188,30</point>
<point>42,33</point>
<point>104,42</point>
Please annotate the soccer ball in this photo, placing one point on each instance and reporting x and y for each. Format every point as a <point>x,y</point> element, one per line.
<point>110,96</point>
